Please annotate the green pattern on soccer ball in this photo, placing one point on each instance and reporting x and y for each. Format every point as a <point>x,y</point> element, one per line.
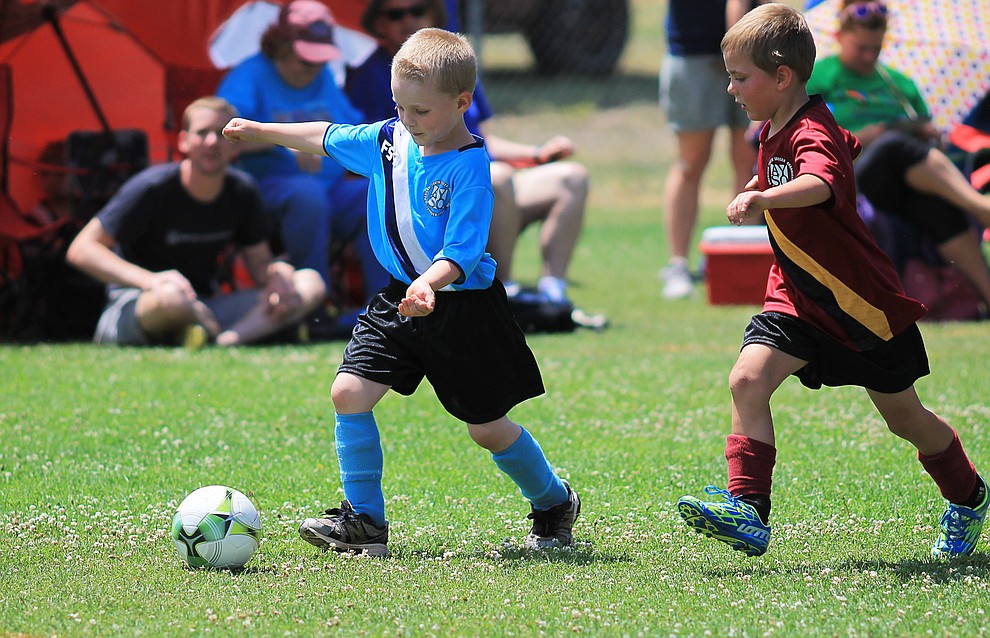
<point>237,527</point>
<point>190,542</point>
<point>226,505</point>
<point>211,544</point>
<point>213,527</point>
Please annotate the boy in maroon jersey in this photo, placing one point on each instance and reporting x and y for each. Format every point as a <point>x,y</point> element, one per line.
<point>835,312</point>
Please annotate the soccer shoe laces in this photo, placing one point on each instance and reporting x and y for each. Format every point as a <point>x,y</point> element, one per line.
<point>711,489</point>
<point>956,521</point>
<point>545,522</point>
<point>960,530</point>
<point>732,521</point>
<point>551,522</point>
<point>345,516</point>
<point>346,510</point>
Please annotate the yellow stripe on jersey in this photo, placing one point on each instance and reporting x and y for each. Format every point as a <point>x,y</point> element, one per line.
<point>849,301</point>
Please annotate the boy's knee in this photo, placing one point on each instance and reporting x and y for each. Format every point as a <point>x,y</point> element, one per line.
<point>495,436</point>
<point>745,380</point>
<point>480,435</point>
<point>352,394</point>
<point>344,393</point>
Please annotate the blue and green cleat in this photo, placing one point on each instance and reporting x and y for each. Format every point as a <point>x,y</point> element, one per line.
<point>960,529</point>
<point>733,522</point>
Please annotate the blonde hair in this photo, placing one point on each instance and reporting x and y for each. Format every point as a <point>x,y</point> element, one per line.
<point>773,35</point>
<point>444,59</point>
<point>211,102</point>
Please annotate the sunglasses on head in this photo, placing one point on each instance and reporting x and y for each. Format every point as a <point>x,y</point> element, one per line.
<point>865,11</point>
<point>416,11</point>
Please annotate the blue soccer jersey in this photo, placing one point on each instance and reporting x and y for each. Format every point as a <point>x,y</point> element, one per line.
<point>421,209</point>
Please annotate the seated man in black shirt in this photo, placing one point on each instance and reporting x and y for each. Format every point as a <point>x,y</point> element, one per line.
<point>157,244</point>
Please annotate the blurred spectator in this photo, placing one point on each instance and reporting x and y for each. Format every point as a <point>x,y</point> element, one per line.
<point>693,93</point>
<point>979,117</point>
<point>901,171</point>
<point>51,300</point>
<point>312,198</point>
<point>158,245</point>
<point>56,201</point>
<point>531,183</point>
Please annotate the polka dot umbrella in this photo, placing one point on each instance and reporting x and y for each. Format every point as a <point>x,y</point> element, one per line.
<point>943,45</point>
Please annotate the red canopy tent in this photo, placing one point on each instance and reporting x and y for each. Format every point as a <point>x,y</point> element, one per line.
<point>107,70</point>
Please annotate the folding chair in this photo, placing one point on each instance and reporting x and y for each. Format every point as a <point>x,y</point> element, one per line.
<point>14,229</point>
<point>41,297</point>
<point>974,145</point>
<point>100,162</point>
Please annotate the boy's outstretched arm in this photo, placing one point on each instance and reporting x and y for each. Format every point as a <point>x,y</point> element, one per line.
<point>801,192</point>
<point>301,136</point>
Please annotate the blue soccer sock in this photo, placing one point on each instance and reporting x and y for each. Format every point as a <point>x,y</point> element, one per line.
<point>359,452</point>
<point>525,464</point>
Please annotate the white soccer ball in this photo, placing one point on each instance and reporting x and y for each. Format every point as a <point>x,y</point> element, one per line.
<point>216,526</point>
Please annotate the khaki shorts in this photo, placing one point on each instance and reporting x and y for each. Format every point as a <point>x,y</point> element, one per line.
<point>692,93</point>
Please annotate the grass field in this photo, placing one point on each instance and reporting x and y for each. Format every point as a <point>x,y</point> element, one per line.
<point>99,445</point>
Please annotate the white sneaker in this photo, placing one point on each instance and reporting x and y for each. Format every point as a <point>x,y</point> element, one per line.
<point>553,288</point>
<point>512,288</point>
<point>677,281</point>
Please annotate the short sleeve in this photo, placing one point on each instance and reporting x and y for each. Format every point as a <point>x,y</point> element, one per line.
<point>355,147</point>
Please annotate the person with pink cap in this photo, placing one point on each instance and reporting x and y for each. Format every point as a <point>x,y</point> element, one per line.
<point>315,203</point>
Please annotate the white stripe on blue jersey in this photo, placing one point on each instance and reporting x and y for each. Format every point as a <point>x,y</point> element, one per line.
<point>421,208</point>
<point>401,203</point>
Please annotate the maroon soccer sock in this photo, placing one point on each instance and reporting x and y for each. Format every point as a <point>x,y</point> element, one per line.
<point>953,472</point>
<point>750,471</point>
<point>750,465</point>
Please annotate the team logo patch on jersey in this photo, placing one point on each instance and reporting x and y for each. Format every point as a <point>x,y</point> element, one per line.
<point>779,171</point>
<point>437,198</point>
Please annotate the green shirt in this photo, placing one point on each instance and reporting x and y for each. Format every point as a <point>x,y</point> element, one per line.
<point>857,101</point>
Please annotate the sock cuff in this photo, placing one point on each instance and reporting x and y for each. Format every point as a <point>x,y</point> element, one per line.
<point>738,445</point>
<point>521,443</point>
<point>527,466</point>
<point>952,471</point>
<point>751,464</point>
<point>955,447</point>
<point>361,475</point>
<point>355,427</point>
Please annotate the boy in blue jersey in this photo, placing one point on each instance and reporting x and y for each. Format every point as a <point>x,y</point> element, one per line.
<point>444,315</point>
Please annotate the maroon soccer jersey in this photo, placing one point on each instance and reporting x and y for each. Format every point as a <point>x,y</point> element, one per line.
<point>828,271</point>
